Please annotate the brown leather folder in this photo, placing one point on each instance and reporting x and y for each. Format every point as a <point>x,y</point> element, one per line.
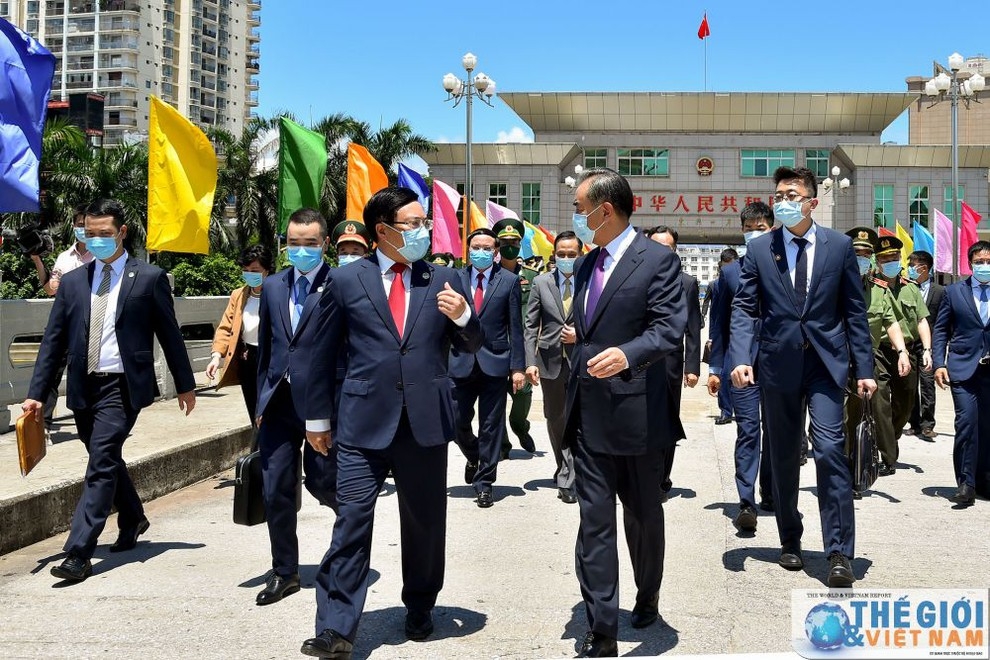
<point>31,445</point>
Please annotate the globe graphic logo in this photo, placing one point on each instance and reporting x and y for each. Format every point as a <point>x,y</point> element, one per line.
<point>826,625</point>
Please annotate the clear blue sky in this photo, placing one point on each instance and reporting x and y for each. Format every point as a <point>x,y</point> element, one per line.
<point>319,58</point>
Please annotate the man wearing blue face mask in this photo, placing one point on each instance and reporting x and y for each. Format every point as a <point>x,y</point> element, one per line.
<point>802,283</point>
<point>480,377</point>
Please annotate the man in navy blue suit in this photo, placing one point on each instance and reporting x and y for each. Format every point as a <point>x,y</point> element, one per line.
<point>480,377</point>
<point>962,332</point>
<point>105,317</point>
<point>286,340</point>
<point>630,314</point>
<point>803,283</point>
<point>398,317</point>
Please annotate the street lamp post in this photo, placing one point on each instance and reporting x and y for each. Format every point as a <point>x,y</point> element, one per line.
<point>947,85</point>
<point>836,186</point>
<point>459,90</point>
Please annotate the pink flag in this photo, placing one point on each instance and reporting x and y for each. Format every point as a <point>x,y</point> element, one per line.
<point>967,236</point>
<point>446,233</point>
<point>943,243</point>
<point>496,212</point>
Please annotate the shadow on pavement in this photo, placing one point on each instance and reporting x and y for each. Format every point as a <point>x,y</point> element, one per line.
<point>307,577</point>
<point>900,465</point>
<point>499,493</point>
<point>735,560</point>
<point>387,627</point>
<point>107,561</point>
<point>684,493</point>
<point>653,640</point>
<point>536,484</point>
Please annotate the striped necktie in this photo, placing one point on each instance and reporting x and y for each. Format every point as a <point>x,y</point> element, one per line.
<point>97,314</point>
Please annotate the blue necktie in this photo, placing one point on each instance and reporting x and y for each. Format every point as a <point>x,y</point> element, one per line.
<point>302,290</point>
<point>984,305</point>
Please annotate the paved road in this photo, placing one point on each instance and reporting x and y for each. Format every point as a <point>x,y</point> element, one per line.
<point>188,590</point>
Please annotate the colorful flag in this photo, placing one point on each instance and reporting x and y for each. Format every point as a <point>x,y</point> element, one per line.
<point>703,30</point>
<point>446,234</point>
<point>302,167</point>
<point>478,219</point>
<point>26,83</point>
<point>967,236</point>
<point>182,179</point>
<point>409,178</point>
<point>923,239</point>
<point>365,177</point>
<point>943,243</point>
<point>536,241</point>
<point>908,244</point>
<point>883,231</point>
<point>497,212</point>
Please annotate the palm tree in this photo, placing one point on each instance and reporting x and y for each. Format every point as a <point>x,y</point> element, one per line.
<point>393,143</point>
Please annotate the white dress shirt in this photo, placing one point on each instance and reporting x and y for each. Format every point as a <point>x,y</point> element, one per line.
<point>69,260</point>
<point>250,320</point>
<point>791,250</point>
<point>110,361</point>
<point>616,248</point>
<point>485,281</point>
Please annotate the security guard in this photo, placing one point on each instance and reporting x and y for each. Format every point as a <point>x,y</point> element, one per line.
<point>352,241</point>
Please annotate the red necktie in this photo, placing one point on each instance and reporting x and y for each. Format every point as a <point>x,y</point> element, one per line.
<point>397,297</point>
<point>479,293</point>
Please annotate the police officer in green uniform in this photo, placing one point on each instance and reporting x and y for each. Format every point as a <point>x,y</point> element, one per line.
<point>510,232</point>
<point>352,241</point>
<point>912,315</point>
<point>883,328</point>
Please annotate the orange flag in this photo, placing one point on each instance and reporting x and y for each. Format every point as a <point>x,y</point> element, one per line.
<point>478,219</point>
<point>365,177</point>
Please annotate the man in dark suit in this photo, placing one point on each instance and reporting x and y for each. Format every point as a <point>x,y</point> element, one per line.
<point>803,283</point>
<point>629,314</point>
<point>725,411</point>
<point>921,266</point>
<point>684,364</point>
<point>286,341</point>
<point>399,316</point>
<point>105,317</point>
<point>549,335</point>
<point>479,378</point>
<point>962,360</point>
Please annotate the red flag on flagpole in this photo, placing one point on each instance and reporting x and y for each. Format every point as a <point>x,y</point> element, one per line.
<point>703,30</point>
<point>967,236</point>
<point>883,231</point>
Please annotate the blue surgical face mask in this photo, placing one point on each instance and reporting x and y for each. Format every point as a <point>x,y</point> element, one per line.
<point>345,259</point>
<point>891,269</point>
<point>912,273</point>
<point>252,279</point>
<point>789,213</point>
<point>102,247</point>
<point>750,235</point>
<point>566,265</point>
<point>80,233</point>
<point>481,259</point>
<point>982,273</point>
<point>416,243</point>
<point>864,264</point>
<point>585,233</point>
<point>305,257</point>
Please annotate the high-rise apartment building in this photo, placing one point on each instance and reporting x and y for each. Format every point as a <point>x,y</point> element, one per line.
<point>199,55</point>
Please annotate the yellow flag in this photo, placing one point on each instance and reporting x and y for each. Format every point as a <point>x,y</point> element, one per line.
<point>478,219</point>
<point>908,248</point>
<point>365,177</point>
<point>182,179</point>
<point>540,243</point>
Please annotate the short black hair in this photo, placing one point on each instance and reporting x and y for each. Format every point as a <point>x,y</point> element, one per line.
<point>384,204</point>
<point>922,257</point>
<point>728,256</point>
<point>79,210</point>
<point>807,177</point>
<point>608,186</point>
<point>306,216</point>
<point>663,229</point>
<point>567,235</point>
<point>978,246</point>
<point>104,206</point>
<point>258,253</point>
<point>756,211</point>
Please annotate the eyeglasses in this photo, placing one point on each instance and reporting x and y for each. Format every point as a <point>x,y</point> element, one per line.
<point>414,223</point>
<point>790,197</point>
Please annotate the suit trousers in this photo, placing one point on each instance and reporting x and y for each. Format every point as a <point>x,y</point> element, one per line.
<point>280,438</point>
<point>971,448</point>
<point>421,487</point>
<point>554,409</point>
<point>923,413</point>
<point>675,367</point>
<point>725,394</point>
<point>103,425</point>
<point>751,456</point>
<point>482,449</point>
<point>599,478</point>
<point>782,409</point>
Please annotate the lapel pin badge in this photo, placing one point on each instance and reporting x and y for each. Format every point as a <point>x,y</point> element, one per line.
<point>319,290</point>
<point>131,274</point>
<point>426,275</point>
<point>776,257</point>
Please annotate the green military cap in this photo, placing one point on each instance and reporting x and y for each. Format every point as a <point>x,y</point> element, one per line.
<point>863,237</point>
<point>509,228</point>
<point>442,259</point>
<point>887,244</point>
<point>351,231</point>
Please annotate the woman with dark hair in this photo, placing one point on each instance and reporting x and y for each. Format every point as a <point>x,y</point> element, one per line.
<point>236,338</point>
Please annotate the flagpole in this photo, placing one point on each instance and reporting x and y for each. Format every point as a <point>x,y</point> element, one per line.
<point>706,52</point>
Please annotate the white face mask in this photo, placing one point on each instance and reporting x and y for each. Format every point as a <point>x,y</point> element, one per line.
<point>750,235</point>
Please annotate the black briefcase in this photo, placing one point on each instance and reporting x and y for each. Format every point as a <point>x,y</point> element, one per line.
<point>865,458</point>
<point>249,502</point>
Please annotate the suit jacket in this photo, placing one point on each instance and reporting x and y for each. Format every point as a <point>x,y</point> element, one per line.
<point>386,372</point>
<point>545,320</point>
<point>688,359</point>
<point>282,353</point>
<point>641,311</point>
<point>144,311</point>
<point>501,321</point>
<point>960,338</point>
<point>228,335</point>
<point>833,319</point>
<point>725,293</point>
<point>935,293</point>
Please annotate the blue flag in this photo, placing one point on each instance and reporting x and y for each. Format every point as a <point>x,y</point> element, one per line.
<point>923,239</point>
<point>411,179</point>
<point>26,70</point>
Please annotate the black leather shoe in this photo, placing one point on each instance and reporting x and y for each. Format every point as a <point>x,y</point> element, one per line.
<point>74,569</point>
<point>596,645</point>
<point>566,495</point>
<point>419,624</point>
<point>526,442</point>
<point>485,499</point>
<point>840,572</point>
<point>964,495</point>
<point>277,588</point>
<point>766,505</point>
<point>746,518</point>
<point>790,559</point>
<point>857,495</point>
<point>886,470</point>
<point>644,614</point>
<point>724,419</point>
<point>328,644</point>
<point>470,469</point>
<point>127,538</point>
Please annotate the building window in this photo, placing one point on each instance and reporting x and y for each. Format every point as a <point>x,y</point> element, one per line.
<point>816,160</point>
<point>947,200</point>
<point>531,202</point>
<point>644,162</point>
<point>595,158</point>
<point>918,206</point>
<point>499,193</point>
<point>883,206</point>
<point>763,162</point>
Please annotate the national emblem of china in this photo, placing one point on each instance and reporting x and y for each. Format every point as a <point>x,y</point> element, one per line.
<point>705,166</point>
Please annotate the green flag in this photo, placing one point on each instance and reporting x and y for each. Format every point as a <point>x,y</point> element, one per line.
<point>302,165</point>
